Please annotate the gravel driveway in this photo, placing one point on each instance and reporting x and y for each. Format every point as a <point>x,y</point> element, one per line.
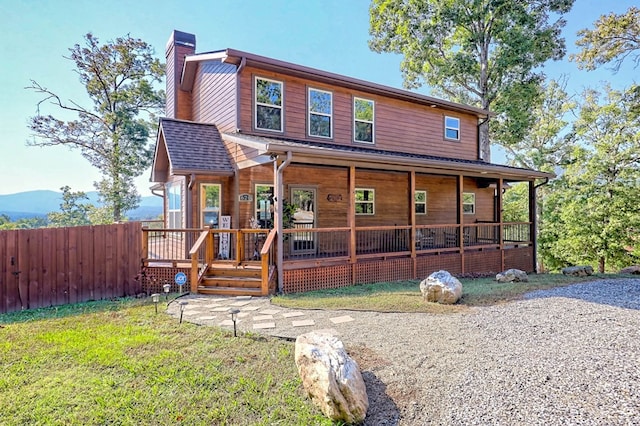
<point>568,356</point>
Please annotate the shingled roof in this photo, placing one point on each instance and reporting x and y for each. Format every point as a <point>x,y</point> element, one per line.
<point>190,148</point>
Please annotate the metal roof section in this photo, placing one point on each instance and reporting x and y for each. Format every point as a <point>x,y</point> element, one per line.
<point>390,159</point>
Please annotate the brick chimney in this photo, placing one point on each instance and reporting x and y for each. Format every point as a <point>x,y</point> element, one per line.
<point>178,102</point>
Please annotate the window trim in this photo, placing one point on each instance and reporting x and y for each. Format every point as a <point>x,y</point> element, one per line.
<point>322,114</point>
<point>372,122</point>
<point>171,212</point>
<point>473,204</point>
<point>202,200</point>
<point>372,202</point>
<point>456,129</point>
<point>256,104</point>
<point>256,211</point>
<point>416,203</point>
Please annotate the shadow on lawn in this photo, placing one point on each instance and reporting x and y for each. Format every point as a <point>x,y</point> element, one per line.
<point>623,293</point>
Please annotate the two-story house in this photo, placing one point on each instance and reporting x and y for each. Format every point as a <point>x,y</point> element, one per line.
<point>348,181</point>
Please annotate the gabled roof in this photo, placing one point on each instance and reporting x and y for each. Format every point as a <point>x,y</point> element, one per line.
<point>239,58</point>
<point>390,160</point>
<point>185,147</point>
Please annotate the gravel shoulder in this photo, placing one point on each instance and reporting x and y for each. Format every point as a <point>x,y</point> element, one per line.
<point>570,355</point>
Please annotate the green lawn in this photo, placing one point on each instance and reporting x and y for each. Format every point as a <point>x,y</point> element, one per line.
<point>120,363</point>
<point>405,296</point>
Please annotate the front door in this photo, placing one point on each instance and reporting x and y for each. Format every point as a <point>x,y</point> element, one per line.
<point>304,217</point>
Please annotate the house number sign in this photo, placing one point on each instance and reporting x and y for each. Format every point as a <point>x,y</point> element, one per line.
<point>245,197</point>
<point>334,198</point>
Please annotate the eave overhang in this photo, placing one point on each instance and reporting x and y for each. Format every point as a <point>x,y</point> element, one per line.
<point>304,152</point>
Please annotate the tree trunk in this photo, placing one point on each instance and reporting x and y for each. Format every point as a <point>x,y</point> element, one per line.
<point>601,265</point>
<point>484,149</point>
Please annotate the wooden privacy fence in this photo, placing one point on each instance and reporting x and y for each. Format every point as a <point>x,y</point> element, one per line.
<point>57,266</point>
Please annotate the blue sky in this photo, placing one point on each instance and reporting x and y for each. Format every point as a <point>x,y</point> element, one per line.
<point>326,34</point>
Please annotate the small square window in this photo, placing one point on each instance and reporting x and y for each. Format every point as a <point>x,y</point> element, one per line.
<point>469,203</point>
<point>452,128</point>
<point>365,199</point>
<point>420,202</point>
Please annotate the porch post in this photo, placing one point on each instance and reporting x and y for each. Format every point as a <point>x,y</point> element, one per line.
<point>500,220</point>
<point>460,180</point>
<point>412,218</point>
<point>277,215</point>
<point>351,216</point>
<point>533,228</point>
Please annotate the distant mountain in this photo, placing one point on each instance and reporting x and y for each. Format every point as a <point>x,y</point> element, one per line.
<point>39,203</point>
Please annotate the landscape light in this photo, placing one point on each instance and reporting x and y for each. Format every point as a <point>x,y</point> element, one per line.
<point>166,288</point>
<point>156,298</point>
<point>183,304</point>
<point>234,317</point>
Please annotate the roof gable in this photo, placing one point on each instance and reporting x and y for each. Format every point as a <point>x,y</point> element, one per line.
<point>186,147</point>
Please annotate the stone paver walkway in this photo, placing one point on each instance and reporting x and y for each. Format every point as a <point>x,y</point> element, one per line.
<point>257,314</point>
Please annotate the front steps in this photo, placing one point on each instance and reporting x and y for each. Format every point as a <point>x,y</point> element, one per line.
<point>229,280</point>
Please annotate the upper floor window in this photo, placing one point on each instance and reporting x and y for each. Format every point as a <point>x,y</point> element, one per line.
<point>365,199</point>
<point>452,128</point>
<point>420,198</point>
<point>363,117</point>
<point>320,113</point>
<point>268,108</point>
<point>469,203</point>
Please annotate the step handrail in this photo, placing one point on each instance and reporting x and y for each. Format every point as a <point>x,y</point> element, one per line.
<point>193,253</point>
<point>266,258</point>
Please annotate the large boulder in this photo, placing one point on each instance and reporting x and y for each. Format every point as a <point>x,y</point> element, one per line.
<point>331,377</point>
<point>578,271</point>
<point>441,287</point>
<point>634,269</point>
<point>512,275</point>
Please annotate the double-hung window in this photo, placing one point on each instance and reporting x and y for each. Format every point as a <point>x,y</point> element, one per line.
<point>268,104</point>
<point>174,208</point>
<point>320,113</point>
<point>365,201</point>
<point>363,120</point>
<point>420,198</point>
<point>452,128</point>
<point>469,203</point>
<point>210,204</point>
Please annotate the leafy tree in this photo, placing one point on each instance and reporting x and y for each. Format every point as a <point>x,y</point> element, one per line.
<point>515,203</point>
<point>613,39</point>
<point>598,215</point>
<point>72,211</point>
<point>483,52</point>
<point>118,77</point>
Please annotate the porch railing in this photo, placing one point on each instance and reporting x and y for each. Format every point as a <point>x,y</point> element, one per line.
<point>516,232</point>
<point>303,243</point>
<point>268,261</point>
<point>169,246</point>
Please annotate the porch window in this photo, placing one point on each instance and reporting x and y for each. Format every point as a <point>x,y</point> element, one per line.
<point>268,108</point>
<point>320,113</point>
<point>365,201</point>
<point>452,128</point>
<point>469,203</point>
<point>420,202</point>
<point>210,204</point>
<point>264,205</point>
<point>363,120</point>
<point>174,208</point>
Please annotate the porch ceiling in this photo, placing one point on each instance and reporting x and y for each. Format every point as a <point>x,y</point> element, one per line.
<point>344,155</point>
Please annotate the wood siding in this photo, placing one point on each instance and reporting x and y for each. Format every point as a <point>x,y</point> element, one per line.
<point>399,125</point>
<point>57,266</point>
<point>214,95</point>
<point>227,201</point>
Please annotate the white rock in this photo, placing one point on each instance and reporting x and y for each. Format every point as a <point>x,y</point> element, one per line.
<point>512,275</point>
<point>331,377</point>
<point>441,287</point>
<point>578,271</point>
